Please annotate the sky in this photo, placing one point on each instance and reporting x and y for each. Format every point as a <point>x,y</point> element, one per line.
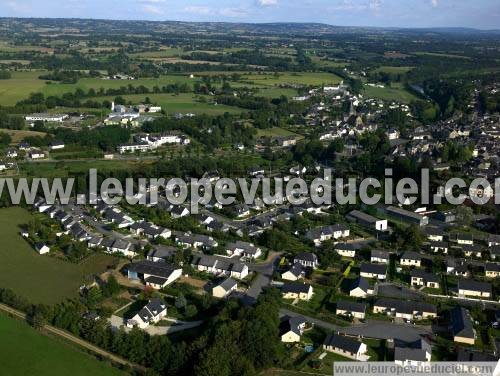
<point>481,14</point>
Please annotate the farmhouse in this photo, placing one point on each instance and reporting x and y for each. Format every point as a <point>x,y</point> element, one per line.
<point>345,346</point>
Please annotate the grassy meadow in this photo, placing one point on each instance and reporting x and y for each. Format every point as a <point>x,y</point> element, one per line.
<point>393,93</point>
<point>40,279</point>
<point>47,356</point>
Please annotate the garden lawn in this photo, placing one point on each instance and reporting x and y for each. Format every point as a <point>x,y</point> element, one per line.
<point>24,351</point>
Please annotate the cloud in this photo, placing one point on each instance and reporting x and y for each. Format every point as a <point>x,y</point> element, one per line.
<point>357,6</point>
<point>434,3</point>
<point>200,10</point>
<point>267,3</point>
<point>233,12</point>
<point>152,1</point>
<point>16,6</point>
<point>375,4</point>
<point>151,9</point>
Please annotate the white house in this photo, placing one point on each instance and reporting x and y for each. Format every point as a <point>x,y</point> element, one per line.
<point>346,347</point>
<point>151,313</point>
<point>295,290</point>
<point>225,288</point>
<point>291,328</point>
<point>41,248</point>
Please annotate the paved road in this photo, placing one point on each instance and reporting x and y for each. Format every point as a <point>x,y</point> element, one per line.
<point>371,329</point>
<point>76,340</point>
<point>322,324</point>
<point>387,330</point>
<point>264,277</point>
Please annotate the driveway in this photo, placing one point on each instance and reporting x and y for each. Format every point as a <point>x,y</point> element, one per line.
<point>154,330</point>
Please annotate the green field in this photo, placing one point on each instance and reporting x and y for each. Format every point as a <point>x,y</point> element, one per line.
<point>394,70</point>
<point>19,87</point>
<point>97,83</point>
<point>313,79</point>
<point>183,103</point>
<point>274,132</point>
<point>24,351</point>
<point>23,83</point>
<point>40,279</point>
<point>65,168</point>
<point>394,93</point>
<point>276,92</point>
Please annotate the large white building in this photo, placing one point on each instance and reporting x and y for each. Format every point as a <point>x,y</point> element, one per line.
<point>45,117</point>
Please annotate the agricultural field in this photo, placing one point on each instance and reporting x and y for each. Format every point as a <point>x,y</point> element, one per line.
<point>19,135</point>
<point>274,132</point>
<point>306,78</point>
<point>50,169</point>
<point>20,86</point>
<point>183,103</point>
<point>47,356</point>
<point>23,83</point>
<point>41,279</point>
<point>393,69</point>
<point>97,83</point>
<point>394,93</point>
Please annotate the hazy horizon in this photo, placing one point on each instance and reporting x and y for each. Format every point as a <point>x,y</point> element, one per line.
<point>482,14</point>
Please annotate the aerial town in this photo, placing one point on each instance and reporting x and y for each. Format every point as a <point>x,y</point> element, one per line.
<point>269,287</point>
